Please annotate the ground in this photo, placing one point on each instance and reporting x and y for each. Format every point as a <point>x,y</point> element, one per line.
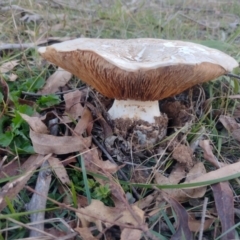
<point>62,163</point>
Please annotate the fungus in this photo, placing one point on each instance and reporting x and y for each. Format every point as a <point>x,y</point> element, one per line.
<point>137,73</point>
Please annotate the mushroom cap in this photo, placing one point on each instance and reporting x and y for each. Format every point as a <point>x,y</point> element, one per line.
<point>139,69</point>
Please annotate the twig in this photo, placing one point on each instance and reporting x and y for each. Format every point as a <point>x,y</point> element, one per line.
<point>70,234</point>
<point>112,160</point>
<point>203,218</point>
<point>37,202</point>
<point>57,93</point>
<point>31,228</point>
<point>7,46</point>
<point>232,75</point>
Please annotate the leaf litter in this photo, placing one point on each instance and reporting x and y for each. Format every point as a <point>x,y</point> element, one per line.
<point>187,170</point>
<point>81,118</point>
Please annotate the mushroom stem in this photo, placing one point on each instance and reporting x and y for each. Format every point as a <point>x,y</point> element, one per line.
<point>136,110</point>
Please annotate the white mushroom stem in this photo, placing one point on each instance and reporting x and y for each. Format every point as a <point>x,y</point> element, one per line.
<point>136,110</point>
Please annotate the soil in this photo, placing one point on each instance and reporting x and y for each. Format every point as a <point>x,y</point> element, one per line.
<point>141,133</point>
<point>178,113</point>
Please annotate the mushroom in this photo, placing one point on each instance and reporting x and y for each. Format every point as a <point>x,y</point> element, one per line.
<point>137,73</point>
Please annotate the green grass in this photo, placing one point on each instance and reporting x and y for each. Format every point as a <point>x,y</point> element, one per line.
<point>211,25</point>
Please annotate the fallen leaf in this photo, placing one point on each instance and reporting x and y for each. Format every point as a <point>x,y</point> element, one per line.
<point>85,233</point>
<point>224,203</point>
<point>59,79</point>
<point>35,123</point>
<point>85,123</point>
<point>56,232</point>
<point>11,189</point>
<point>195,225</point>
<point>12,77</point>
<point>59,170</point>
<point>146,202</point>
<point>10,169</point>
<point>222,172</point>
<point>183,231</point>
<point>107,130</point>
<point>183,194</point>
<point>8,66</point>
<point>177,174</point>
<point>131,234</point>
<point>231,125</point>
<point>208,154</point>
<point>94,164</point>
<point>98,213</point>
<point>44,143</point>
<point>73,107</point>
<point>196,171</point>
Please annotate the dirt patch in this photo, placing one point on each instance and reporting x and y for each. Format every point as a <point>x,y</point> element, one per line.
<point>178,113</point>
<point>141,133</point>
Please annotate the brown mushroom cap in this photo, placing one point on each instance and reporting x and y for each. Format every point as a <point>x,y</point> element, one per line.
<point>139,69</point>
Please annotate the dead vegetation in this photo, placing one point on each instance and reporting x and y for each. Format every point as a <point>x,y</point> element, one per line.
<point>65,175</point>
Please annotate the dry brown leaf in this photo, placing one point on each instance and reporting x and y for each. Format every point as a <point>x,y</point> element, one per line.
<point>196,171</point>
<point>177,174</point>
<point>44,143</point>
<point>73,107</point>
<point>94,164</point>
<point>56,232</point>
<point>107,130</point>
<point>208,154</point>
<point>195,225</point>
<point>231,125</point>
<point>85,233</point>
<point>59,79</point>
<point>224,203</point>
<point>146,202</point>
<point>11,189</point>
<point>85,123</point>
<point>10,169</point>
<point>8,66</point>
<point>131,234</point>
<point>12,77</point>
<point>182,231</point>
<point>98,213</point>
<point>222,172</point>
<point>183,194</point>
<point>59,170</point>
<point>35,123</point>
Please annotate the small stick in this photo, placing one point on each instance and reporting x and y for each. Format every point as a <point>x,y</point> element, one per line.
<point>39,203</point>
<point>120,171</point>
<point>232,75</point>
<point>203,218</point>
<point>30,227</point>
<point>46,94</point>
